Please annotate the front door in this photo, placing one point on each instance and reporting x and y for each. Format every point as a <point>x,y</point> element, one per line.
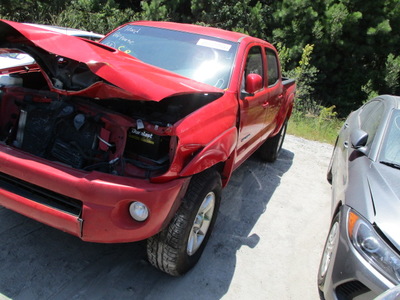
<point>252,111</point>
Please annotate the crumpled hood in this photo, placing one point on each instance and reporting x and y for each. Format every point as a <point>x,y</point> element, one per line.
<point>384,184</point>
<point>122,76</point>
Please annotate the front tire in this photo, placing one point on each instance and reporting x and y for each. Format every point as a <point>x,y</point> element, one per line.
<point>329,248</point>
<point>177,248</point>
<point>269,151</point>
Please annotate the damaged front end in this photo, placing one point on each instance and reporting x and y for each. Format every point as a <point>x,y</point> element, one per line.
<point>99,110</point>
<point>120,137</point>
<point>91,136</point>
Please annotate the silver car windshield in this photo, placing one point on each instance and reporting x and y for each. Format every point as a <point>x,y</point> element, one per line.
<point>202,58</point>
<point>390,154</point>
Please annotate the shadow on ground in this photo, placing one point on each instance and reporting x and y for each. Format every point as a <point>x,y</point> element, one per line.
<point>39,262</point>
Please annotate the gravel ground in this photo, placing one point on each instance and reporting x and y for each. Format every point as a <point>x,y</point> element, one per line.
<point>266,244</point>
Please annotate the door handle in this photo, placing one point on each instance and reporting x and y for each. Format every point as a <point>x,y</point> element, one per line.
<point>265,104</point>
<point>346,144</point>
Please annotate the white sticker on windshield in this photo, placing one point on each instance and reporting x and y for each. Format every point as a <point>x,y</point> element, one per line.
<point>214,44</point>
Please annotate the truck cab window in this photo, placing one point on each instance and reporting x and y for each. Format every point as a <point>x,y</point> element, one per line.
<point>254,64</point>
<point>273,67</point>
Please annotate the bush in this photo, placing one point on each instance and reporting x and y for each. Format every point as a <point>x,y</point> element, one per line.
<point>323,128</point>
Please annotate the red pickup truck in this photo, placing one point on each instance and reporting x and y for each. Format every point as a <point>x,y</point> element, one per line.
<point>134,137</point>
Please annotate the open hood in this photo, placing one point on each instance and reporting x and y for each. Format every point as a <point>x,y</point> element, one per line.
<point>77,66</point>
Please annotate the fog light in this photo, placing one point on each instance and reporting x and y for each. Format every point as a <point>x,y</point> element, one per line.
<point>138,211</point>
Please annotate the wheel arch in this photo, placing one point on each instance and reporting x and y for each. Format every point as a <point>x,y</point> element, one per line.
<point>216,152</point>
<point>336,211</point>
<point>284,113</point>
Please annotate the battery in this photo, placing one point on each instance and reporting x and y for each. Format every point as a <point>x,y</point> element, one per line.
<point>143,143</point>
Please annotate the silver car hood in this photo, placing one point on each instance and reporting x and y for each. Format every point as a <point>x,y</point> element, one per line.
<point>384,184</point>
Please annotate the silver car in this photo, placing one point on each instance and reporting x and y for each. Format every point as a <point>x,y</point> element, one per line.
<point>361,258</point>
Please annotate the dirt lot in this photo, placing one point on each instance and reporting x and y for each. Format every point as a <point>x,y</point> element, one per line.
<point>266,244</point>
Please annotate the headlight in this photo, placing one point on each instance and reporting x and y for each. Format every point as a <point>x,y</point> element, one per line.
<point>372,247</point>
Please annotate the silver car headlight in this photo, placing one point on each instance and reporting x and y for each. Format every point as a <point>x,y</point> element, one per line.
<point>372,247</point>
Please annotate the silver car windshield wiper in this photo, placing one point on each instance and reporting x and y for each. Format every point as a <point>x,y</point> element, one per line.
<point>390,164</point>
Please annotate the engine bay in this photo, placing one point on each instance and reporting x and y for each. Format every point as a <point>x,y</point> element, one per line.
<point>81,134</point>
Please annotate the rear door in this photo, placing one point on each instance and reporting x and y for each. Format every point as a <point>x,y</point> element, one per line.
<point>274,90</point>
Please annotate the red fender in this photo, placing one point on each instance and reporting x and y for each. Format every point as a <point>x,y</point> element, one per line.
<point>218,150</point>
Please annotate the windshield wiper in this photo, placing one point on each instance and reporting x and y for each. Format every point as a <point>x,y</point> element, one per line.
<point>390,164</point>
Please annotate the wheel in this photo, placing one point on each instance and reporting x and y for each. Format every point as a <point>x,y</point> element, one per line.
<point>330,244</point>
<point>269,151</point>
<point>177,248</point>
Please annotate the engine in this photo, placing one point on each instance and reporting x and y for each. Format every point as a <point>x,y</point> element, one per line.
<point>58,131</point>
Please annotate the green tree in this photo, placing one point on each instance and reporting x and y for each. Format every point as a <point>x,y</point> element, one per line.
<point>295,24</point>
<point>247,16</point>
<point>352,42</point>
<point>30,10</point>
<point>154,10</point>
<point>392,74</point>
<point>305,75</point>
<point>94,15</point>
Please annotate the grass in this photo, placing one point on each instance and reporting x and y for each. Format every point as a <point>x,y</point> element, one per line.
<point>314,128</point>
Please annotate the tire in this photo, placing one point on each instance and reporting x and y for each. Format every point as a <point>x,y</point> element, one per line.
<point>269,151</point>
<point>177,248</point>
<point>330,244</point>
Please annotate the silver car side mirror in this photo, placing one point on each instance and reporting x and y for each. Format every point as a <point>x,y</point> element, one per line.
<point>359,140</point>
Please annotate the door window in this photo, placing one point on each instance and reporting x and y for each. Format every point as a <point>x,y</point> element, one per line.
<point>370,118</point>
<point>254,64</point>
<point>273,67</point>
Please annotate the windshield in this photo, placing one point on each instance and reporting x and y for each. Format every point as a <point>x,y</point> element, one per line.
<point>390,153</point>
<point>202,58</point>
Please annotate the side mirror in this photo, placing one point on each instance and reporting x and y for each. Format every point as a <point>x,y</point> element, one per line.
<point>254,82</point>
<point>359,139</point>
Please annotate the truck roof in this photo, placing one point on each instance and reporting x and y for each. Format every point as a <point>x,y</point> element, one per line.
<point>210,31</point>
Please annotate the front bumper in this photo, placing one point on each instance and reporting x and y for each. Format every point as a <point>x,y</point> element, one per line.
<point>349,275</point>
<point>92,206</point>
